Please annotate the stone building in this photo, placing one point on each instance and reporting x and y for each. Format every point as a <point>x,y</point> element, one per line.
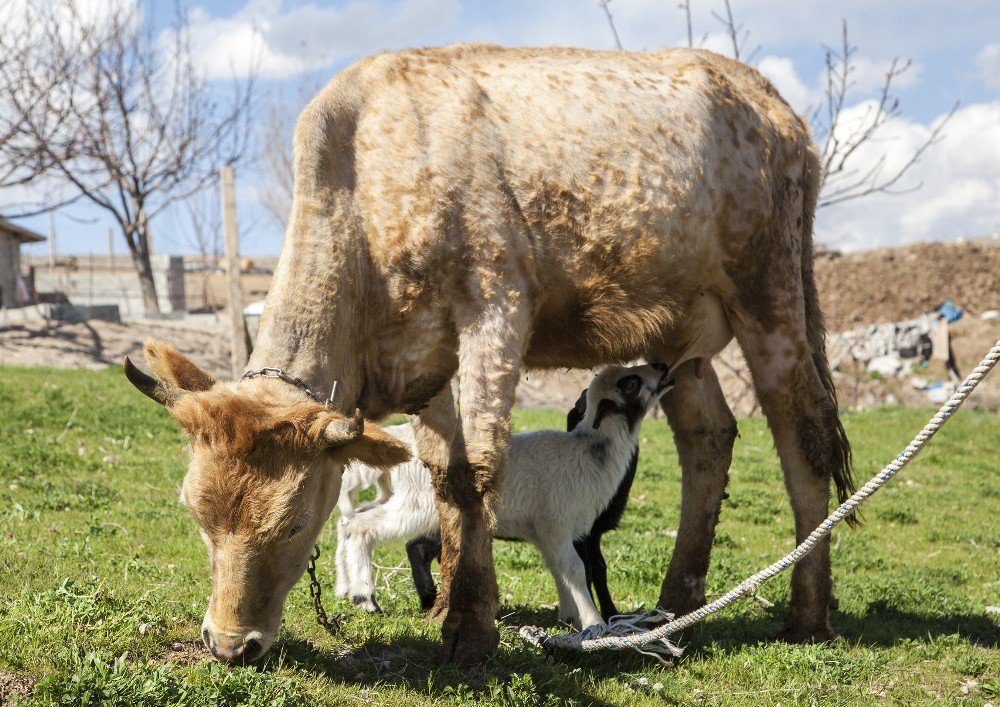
<point>13,292</point>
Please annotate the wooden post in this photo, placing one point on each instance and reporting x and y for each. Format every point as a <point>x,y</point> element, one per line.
<point>238,329</point>
<point>111,250</point>
<point>52,240</point>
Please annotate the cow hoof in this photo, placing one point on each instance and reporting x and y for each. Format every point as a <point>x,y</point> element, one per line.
<point>800,633</point>
<point>439,612</point>
<point>467,637</point>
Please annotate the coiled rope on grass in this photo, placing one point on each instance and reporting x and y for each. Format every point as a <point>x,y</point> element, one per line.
<point>632,630</point>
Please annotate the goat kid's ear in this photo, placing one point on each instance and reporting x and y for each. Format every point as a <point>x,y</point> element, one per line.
<point>604,408</point>
<point>577,412</point>
<point>373,448</point>
<point>174,368</point>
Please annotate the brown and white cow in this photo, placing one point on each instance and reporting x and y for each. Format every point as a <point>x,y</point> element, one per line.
<point>478,210</point>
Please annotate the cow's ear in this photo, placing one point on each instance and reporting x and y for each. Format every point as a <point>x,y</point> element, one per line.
<point>373,448</point>
<point>174,368</point>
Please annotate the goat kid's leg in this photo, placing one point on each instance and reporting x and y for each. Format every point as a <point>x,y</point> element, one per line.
<point>341,582</point>
<point>491,344</point>
<point>599,573</point>
<point>704,431</point>
<point>576,606</point>
<point>346,506</point>
<point>361,534</point>
<point>582,550</point>
<point>421,552</point>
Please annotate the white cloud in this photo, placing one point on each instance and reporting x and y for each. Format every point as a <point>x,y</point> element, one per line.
<point>781,71</point>
<point>988,63</point>
<point>958,179</point>
<point>282,42</point>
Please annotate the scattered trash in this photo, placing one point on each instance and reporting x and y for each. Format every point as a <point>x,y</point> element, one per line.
<point>886,366</point>
<point>990,314</point>
<point>938,393</point>
<point>950,311</point>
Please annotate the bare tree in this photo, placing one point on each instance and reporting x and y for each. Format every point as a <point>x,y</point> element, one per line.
<point>686,6</point>
<point>276,162</point>
<point>738,35</point>
<point>128,123</point>
<point>203,231</point>
<point>841,181</point>
<point>611,22</point>
<point>21,37</point>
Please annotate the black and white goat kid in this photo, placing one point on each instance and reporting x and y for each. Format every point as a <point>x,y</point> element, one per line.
<point>557,486</point>
<point>422,551</point>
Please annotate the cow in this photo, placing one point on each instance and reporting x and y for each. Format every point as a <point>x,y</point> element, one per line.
<point>476,211</point>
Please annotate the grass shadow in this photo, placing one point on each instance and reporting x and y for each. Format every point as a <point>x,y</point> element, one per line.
<point>411,662</point>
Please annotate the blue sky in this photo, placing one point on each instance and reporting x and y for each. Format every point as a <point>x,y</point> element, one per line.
<point>954,47</point>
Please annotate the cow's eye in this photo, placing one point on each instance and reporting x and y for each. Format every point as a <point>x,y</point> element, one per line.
<point>300,525</point>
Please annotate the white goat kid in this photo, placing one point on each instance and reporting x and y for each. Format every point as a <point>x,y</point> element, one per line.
<point>357,477</point>
<point>556,484</point>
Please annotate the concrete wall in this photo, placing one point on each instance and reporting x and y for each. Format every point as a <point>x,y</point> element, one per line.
<point>90,283</point>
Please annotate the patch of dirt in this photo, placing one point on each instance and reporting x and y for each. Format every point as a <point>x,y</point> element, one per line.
<point>14,688</point>
<point>186,653</point>
<point>96,344</point>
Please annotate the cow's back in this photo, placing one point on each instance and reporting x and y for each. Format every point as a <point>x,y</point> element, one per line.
<point>634,177</point>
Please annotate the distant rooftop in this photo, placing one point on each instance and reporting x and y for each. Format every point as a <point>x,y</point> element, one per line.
<point>20,233</point>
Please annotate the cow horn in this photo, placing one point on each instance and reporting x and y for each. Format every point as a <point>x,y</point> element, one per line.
<point>146,384</point>
<point>343,430</point>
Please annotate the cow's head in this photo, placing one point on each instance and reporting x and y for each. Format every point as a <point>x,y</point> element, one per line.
<point>264,474</point>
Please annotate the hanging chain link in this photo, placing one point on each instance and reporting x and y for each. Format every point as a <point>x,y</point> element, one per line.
<point>315,591</point>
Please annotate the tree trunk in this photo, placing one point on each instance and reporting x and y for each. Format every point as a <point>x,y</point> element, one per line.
<point>138,247</point>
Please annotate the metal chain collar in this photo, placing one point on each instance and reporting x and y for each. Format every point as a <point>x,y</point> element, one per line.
<point>271,372</point>
<point>316,592</point>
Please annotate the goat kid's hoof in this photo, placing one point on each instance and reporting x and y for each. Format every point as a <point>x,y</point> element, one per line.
<point>800,633</point>
<point>467,639</point>
<point>366,603</point>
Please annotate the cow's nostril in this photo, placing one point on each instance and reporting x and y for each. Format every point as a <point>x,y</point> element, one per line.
<point>661,367</point>
<point>252,650</point>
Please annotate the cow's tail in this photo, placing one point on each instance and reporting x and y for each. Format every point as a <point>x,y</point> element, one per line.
<point>841,463</point>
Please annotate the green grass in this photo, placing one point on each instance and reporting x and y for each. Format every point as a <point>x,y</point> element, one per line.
<point>103,580</point>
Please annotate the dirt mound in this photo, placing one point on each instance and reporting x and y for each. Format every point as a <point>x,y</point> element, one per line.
<point>893,284</point>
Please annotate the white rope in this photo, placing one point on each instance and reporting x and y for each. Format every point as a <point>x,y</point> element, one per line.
<point>629,631</point>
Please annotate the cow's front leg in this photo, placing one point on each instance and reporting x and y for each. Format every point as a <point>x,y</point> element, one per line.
<point>434,431</point>
<point>704,431</point>
<point>468,491</point>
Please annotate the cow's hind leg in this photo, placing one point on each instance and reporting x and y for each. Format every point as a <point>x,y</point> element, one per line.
<point>704,431</point>
<point>801,411</point>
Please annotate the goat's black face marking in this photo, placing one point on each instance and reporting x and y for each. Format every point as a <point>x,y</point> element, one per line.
<point>635,408</point>
<point>630,386</point>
